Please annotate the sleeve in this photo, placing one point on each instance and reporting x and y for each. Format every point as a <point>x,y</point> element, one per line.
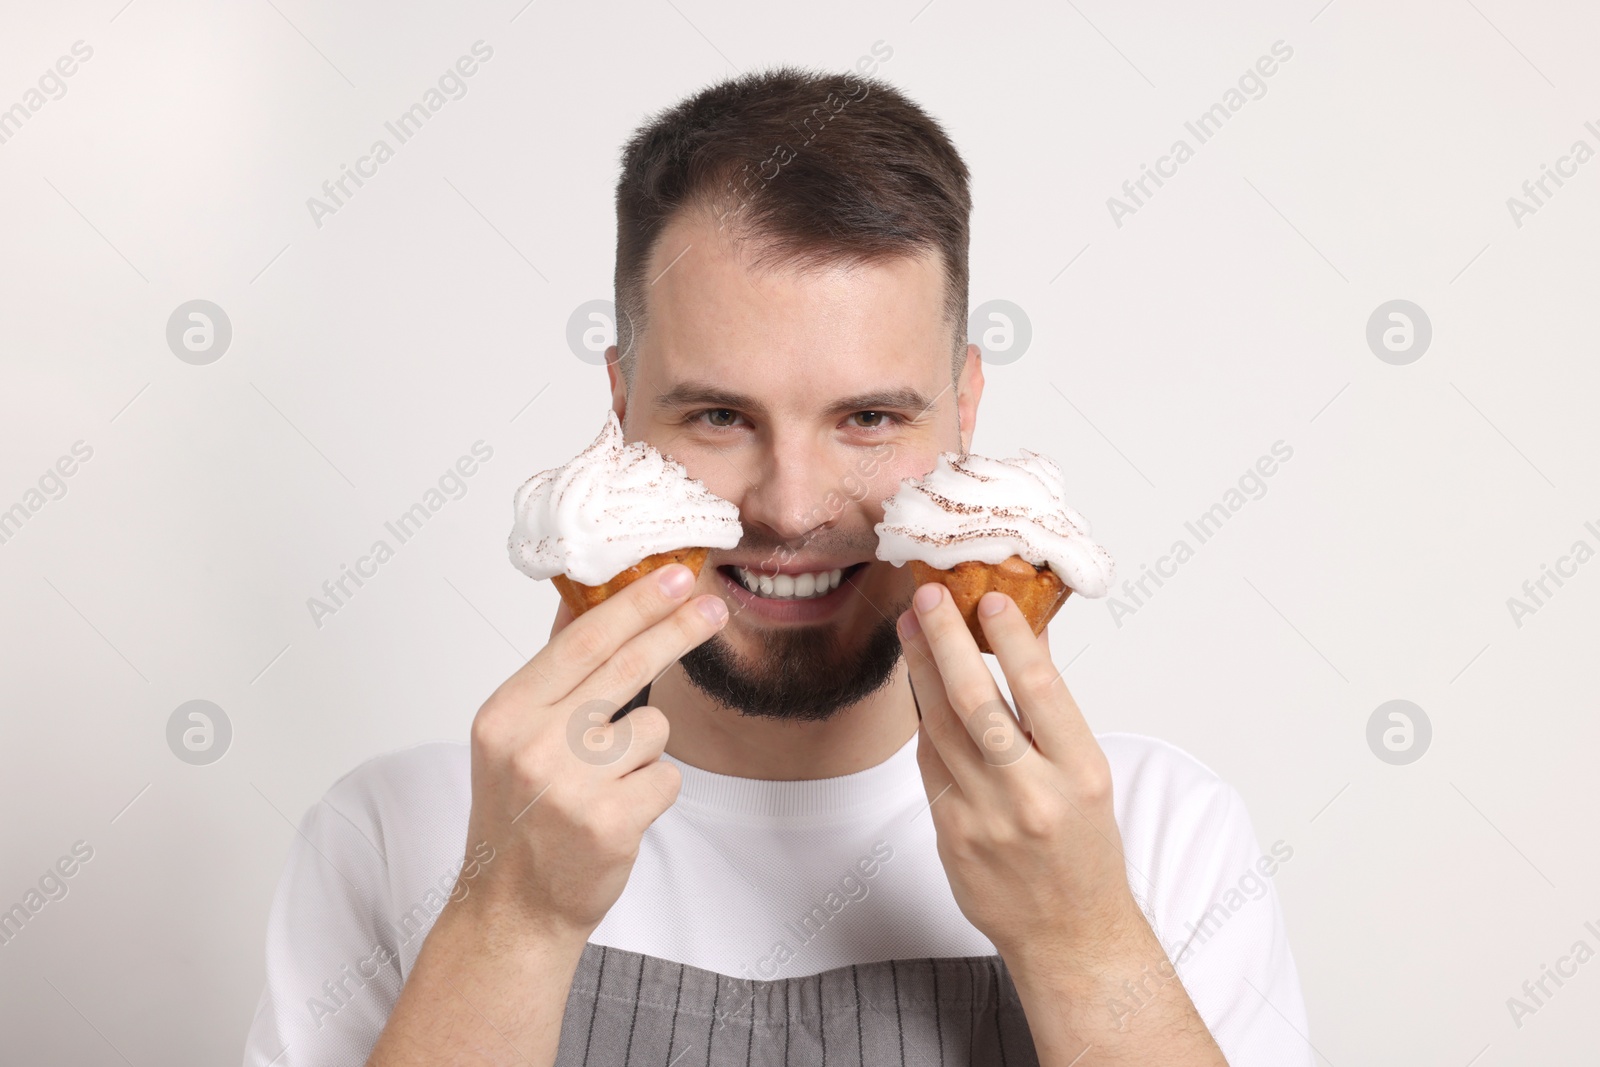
<point>1207,886</point>
<point>332,972</point>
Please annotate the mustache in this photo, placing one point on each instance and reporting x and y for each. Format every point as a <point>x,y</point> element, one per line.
<point>825,542</point>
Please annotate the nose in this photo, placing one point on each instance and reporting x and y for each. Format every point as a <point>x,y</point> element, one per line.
<point>795,492</point>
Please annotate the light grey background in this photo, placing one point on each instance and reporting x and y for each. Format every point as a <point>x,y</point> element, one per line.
<point>1168,353</point>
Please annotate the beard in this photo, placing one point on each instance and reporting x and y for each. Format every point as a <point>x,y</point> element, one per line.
<point>799,675</point>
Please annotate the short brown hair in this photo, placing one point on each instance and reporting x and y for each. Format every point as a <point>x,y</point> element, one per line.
<point>810,168</point>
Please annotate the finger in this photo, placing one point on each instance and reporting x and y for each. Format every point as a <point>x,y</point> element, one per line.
<point>591,639</point>
<point>968,685</point>
<point>927,688</point>
<point>1044,705</point>
<point>989,737</point>
<point>937,781</point>
<point>941,725</point>
<point>613,750</point>
<point>642,658</point>
<point>649,738</point>
<point>563,619</point>
<point>649,791</point>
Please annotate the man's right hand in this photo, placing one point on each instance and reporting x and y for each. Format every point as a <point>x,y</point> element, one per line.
<point>563,796</point>
<point>561,793</point>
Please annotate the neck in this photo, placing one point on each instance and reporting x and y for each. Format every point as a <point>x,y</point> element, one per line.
<point>707,735</point>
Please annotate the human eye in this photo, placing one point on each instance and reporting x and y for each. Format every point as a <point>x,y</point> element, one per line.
<point>874,420</point>
<point>717,418</point>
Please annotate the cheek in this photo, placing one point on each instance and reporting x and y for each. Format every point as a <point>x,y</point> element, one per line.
<point>719,478</point>
<point>717,473</point>
<point>892,470</point>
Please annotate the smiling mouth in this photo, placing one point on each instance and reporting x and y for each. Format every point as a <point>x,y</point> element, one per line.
<point>809,585</point>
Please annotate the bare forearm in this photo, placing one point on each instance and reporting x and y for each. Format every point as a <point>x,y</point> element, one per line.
<point>558,831</point>
<point>482,983</point>
<point>1126,1007</point>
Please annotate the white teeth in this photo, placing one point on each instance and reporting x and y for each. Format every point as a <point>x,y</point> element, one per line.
<point>791,586</point>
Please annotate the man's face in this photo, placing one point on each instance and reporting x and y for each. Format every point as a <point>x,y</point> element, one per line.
<point>804,398</point>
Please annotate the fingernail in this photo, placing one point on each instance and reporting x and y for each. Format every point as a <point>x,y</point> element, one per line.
<point>909,626</point>
<point>714,609</point>
<point>991,604</point>
<point>676,579</point>
<point>928,596</point>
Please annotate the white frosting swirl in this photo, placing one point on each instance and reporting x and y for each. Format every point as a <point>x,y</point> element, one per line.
<point>614,504</point>
<point>972,508</point>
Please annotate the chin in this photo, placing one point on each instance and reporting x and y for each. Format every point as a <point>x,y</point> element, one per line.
<point>766,662</point>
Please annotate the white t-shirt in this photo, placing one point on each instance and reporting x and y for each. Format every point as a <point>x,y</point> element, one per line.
<point>765,880</point>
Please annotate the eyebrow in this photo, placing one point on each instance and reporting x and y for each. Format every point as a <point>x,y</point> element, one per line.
<point>690,394</point>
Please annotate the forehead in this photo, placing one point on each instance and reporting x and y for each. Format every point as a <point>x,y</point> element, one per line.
<point>715,313</point>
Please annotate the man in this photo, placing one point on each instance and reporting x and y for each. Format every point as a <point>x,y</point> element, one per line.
<point>823,838</point>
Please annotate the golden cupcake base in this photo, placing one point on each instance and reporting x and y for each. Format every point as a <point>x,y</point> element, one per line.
<point>1037,591</point>
<point>580,598</point>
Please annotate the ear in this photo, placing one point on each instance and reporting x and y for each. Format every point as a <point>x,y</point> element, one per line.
<point>969,390</point>
<point>619,387</point>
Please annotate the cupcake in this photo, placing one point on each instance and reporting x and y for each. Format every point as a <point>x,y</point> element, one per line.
<point>974,524</point>
<point>613,514</point>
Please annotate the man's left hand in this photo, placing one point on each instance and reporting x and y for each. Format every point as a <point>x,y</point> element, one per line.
<point>1028,837</point>
<point>1023,811</point>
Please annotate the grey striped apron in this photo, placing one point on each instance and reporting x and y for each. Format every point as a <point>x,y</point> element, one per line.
<point>626,1009</point>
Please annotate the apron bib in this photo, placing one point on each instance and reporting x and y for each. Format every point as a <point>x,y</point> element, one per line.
<point>627,1009</point>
